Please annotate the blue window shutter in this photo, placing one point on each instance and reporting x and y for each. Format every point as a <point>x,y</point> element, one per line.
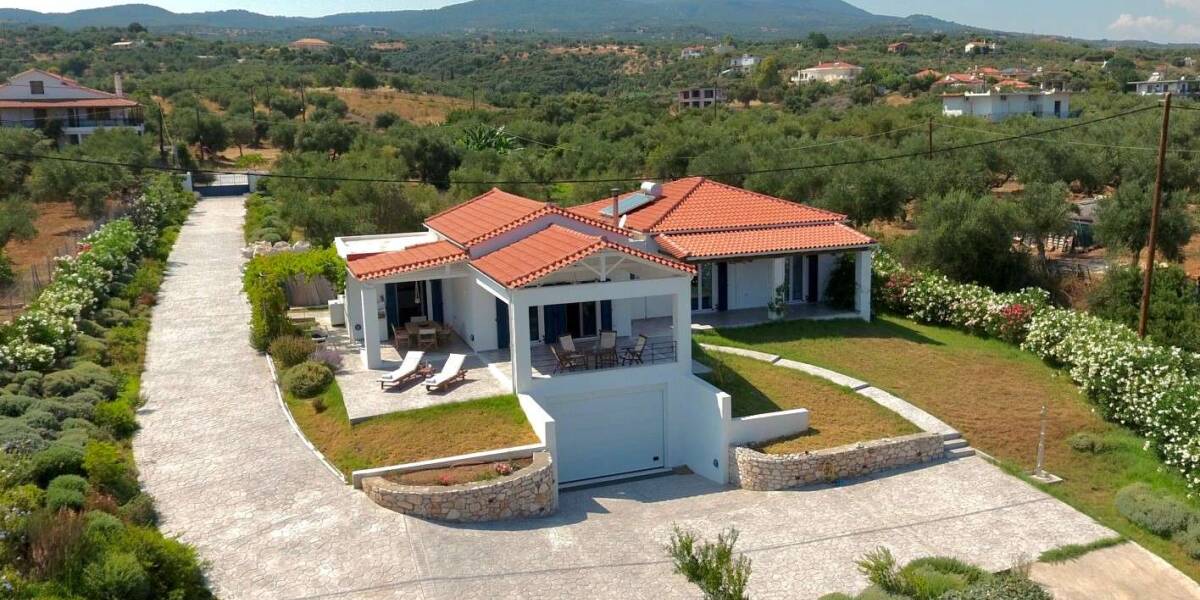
<point>722,286</point>
<point>436,287</point>
<point>556,321</point>
<point>606,315</point>
<point>501,324</point>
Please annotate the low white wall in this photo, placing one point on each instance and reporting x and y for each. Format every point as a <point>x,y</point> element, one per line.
<point>769,426</point>
<point>356,477</point>
<point>698,427</point>
<point>543,426</point>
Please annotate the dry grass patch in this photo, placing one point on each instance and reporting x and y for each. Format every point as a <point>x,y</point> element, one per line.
<point>422,434</point>
<point>423,109</point>
<point>837,416</point>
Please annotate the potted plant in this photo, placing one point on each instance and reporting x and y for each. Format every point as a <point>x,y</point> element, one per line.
<point>777,307</point>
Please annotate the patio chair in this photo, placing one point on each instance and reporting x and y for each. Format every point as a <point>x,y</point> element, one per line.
<point>398,338</point>
<point>606,351</point>
<point>567,343</point>
<point>444,334</point>
<point>634,355</point>
<point>427,338</point>
<point>451,372</point>
<point>568,361</point>
<point>410,368</point>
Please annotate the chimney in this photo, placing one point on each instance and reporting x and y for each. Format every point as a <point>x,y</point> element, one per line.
<point>616,200</point>
<point>118,85</point>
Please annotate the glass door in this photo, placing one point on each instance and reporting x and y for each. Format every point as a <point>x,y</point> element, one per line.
<point>794,277</point>
<point>704,286</point>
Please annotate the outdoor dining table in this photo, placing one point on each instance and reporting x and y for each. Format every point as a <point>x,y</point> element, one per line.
<point>413,328</point>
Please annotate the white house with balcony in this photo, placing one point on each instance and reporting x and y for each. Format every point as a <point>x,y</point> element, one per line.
<point>1158,85</point>
<point>998,103</point>
<point>512,277</point>
<point>42,100</point>
<point>828,72</point>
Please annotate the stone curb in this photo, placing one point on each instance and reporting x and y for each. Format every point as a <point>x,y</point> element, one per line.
<point>756,355</point>
<point>287,413</point>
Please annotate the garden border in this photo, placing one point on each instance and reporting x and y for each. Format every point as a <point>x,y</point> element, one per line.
<point>287,413</point>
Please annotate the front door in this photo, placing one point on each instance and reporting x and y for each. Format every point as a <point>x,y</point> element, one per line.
<point>704,286</point>
<point>501,324</point>
<point>404,302</point>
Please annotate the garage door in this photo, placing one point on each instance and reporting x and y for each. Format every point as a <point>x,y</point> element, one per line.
<point>607,435</point>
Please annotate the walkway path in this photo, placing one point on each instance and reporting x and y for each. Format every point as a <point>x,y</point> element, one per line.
<point>231,478</point>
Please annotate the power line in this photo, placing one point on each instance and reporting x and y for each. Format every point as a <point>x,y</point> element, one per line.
<point>947,149</point>
<point>1071,142</point>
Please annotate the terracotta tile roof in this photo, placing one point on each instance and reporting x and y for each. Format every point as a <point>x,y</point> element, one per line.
<point>475,219</point>
<point>698,204</point>
<point>413,258</point>
<point>774,240</point>
<point>837,64</point>
<point>549,250</point>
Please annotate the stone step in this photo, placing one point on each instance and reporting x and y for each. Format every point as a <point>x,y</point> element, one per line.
<point>954,444</point>
<point>960,452</point>
<point>953,435</point>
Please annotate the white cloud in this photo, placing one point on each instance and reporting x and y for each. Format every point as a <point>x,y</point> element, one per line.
<point>1189,5</point>
<point>1157,28</point>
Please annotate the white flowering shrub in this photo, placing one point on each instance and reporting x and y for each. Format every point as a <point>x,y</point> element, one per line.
<point>1151,389</point>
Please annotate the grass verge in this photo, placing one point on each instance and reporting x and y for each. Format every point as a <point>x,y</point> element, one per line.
<point>1073,551</point>
<point>837,416</point>
<point>421,434</point>
<point>992,392</point>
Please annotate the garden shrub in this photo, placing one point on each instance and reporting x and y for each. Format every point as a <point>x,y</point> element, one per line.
<point>92,328</point>
<point>290,350</point>
<point>73,423</point>
<point>30,382</point>
<point>1090,443</point>
<point>90,348</point>
<point>108,469</point>
<point>40,420</point>
<point>263,282</point>
<point>86,396</point>
<point>117,575</point>
<point>66,492</point>
<point>1159,515</point>
<point>112,317</point>
<point>117,417</point>
<point>56,459</point>
<point>1001,587</point>
<point>13,405</point>
<point>120,304</point>
<point>63,408</point>
<point>711,565</point>
<point>101,529</point>
<point>329,357</point>
<point>76,438</point>
<point>16,436</point>
<point>174,567</point>
<point>140,510</point>
<point>53,538</point>
<point>84,375</point>
<point>307,379</point>
<point>1189,539</point>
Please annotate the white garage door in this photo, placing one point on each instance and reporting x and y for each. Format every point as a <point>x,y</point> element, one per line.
<point>608,435</point>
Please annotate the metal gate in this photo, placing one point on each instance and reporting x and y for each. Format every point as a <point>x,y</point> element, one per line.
<point>224,184</point>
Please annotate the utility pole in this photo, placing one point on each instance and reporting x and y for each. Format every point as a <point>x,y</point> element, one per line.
<point>929,153</point>
<point>199,137</point>
<point>162,147</point>
<point>303,105</point>
<point>472,97</point>
<point>1152,244</point>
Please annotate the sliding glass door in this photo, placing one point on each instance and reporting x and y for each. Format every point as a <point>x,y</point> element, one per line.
<point>704,288</point>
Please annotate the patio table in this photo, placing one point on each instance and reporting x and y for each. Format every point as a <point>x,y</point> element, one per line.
<point>413,328</point>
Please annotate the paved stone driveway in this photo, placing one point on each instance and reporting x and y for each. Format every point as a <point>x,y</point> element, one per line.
<point>231,478</point>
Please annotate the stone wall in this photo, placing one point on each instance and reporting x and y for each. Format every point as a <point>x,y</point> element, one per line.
<point>530,492</point>
<point>753,470</point>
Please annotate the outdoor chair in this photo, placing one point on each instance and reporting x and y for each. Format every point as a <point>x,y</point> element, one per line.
<point>568,361</point>
<point>410,368</point>
<point>444,334</point>
<point>399,338</point>
<point>451,372</point>
<point>606,351</point>
<point>427,338</point>
<point>634,355</point>
<point>567,343</point>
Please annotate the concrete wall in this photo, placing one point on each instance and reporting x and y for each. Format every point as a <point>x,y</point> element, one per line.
<point>698,428</point>
<point>471,311</point>
<point>753,470</point>
<point>530,492</point>
<point>770,426</point>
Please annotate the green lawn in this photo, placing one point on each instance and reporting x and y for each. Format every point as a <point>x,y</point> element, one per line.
<point>425,433</point>
<point>837,415</point>
<point>993,393</point>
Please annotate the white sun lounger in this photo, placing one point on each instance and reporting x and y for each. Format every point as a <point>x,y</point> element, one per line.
<point>410,368</point>
<point>451,371</point>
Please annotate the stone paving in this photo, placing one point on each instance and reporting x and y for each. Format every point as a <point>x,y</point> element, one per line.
<point>232,479</point>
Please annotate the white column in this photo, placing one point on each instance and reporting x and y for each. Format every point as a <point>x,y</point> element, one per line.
<point>519,343</point>
<point>862,287</point>
<point>371,357</point>
<point>354,308</point>
<point>682,321</point>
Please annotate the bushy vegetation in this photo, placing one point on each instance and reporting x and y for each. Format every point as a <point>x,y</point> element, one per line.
<point>264,281</point>
<point>76,524</point>
<point>938,578</point>
<point>712,566</point>
<point>1174,303</point>
<point>307,379</point>
<point>1160,515</point>
<point>291,350</point>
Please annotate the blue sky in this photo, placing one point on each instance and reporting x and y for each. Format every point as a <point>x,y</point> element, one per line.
<point>1157,20</point>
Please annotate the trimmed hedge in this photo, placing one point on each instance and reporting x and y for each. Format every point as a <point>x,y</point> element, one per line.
<point>307,379</point>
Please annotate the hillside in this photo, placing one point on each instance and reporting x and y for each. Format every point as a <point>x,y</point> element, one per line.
<point>766,18</point>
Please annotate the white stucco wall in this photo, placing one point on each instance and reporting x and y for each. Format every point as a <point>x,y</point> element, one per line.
<point>750,283</point>
<point>770,426</point>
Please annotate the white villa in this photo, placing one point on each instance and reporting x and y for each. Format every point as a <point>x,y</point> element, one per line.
<point>510,275</point>
<point>997,104</point>
<point>829,72</point>
<point>744,63</point>
<point>1158,85</point>
<point>36,98</point>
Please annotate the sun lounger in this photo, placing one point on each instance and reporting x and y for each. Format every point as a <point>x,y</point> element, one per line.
<point>451,372</point>
<point>410,368</point>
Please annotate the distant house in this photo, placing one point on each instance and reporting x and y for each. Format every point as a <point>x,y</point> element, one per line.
<point>897,48</point>
<point>38,99</point>
<point>961,81</point>
<point>127,44</point>
<point>744,63</point>
<point>1158,85</point>
<point>986,72</point>
<point>927,74</point>
<point>723,49</point>
<point>980,47</point>
<point>700,97</point>
<point>829,72</point>
<point>998,103</point>
<point>691,52</point>
<point>310,45</point>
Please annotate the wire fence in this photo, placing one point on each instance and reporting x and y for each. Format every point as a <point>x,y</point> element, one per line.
<point>30,280</point>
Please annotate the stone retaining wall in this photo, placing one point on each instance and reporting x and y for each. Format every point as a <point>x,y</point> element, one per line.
<point>530,492</point>
<point>753,470</point>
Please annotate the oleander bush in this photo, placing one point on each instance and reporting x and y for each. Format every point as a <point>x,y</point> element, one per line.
<point>307,379</point>
<point>290,350</point>
<point>1152,389</point>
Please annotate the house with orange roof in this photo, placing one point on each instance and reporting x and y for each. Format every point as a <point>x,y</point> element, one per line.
<point>589,311</point>
<point>64,109</point>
